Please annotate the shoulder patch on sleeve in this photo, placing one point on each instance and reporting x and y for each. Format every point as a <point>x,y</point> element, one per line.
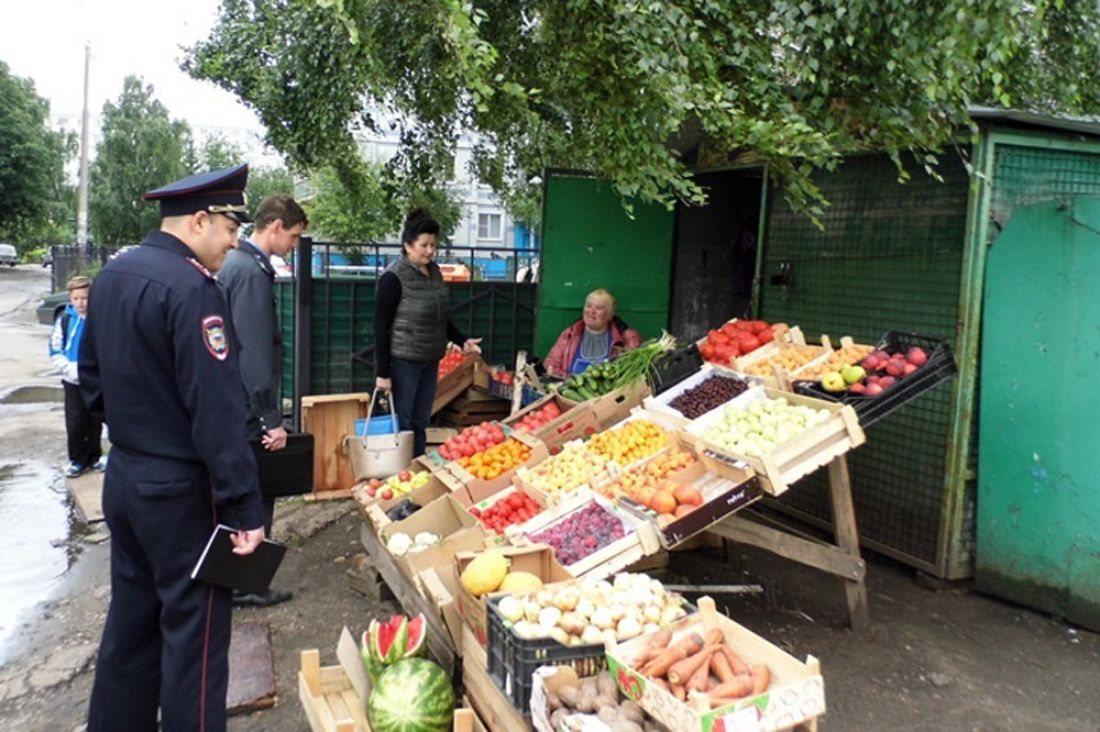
<point>214,337</point>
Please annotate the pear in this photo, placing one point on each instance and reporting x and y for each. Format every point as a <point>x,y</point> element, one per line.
<point>833,381</point>
<point>853,373</point>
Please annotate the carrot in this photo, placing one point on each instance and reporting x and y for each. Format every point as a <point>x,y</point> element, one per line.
<point>663,684</point>
<point>658,642</point>
<point>721,667</point>
<point>660,664</point>
<point>681,671</point>
<point>715,637</point>
<point>739,667</point>
<point>700,678</point>
<point>738,687</point>
<point>679,692</point>
<point>761,678</point>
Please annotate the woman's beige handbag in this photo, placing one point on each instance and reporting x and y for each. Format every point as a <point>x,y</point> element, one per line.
<point>380,456</point>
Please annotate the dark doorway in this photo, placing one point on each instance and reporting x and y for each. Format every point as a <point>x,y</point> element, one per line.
<point>714,257</point>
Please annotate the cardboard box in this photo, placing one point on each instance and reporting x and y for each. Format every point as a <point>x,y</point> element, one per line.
<point>576,421</point>
<point>501,539</point>
<point>796,693</point>
<point>726,488</point>
<point>441,589</point>
<point>441,483</point>
<point>615,406</point>
<point>538,559</point>
<point>445,516</point>
<point>481,488</point>
<point>639,540</point>
<point>795,458</point>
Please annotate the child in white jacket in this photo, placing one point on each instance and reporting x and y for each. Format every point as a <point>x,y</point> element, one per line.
<point>84,430</point>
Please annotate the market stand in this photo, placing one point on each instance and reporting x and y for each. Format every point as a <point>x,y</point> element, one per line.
<point>434,591</point>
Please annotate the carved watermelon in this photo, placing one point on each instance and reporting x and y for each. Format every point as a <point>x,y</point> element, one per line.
<point>387,643</point>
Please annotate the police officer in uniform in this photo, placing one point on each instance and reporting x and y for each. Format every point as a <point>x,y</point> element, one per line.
<point>160,360</point>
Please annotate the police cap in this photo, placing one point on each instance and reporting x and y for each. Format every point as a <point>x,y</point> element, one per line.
<point>218,191</point>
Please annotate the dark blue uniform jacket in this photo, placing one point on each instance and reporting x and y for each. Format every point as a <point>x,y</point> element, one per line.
<point>160,361</point>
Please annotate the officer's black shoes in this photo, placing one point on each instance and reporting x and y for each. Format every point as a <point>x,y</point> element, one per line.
<point>255,599</point>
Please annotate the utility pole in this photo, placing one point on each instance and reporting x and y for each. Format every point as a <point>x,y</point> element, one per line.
<point>82,195</point>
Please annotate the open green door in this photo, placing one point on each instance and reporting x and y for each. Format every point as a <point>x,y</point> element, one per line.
<point>588,241</point>
<point>1039,433</point>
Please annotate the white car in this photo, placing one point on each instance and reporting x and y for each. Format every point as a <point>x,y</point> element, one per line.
<point>8,255</point>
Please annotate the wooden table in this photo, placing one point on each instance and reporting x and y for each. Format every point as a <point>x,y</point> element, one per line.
<point>841,558</point>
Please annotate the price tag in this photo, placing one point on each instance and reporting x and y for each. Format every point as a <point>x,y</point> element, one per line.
<point>743,720</point>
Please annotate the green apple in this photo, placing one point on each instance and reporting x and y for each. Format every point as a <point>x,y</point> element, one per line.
<point>832,381</point>
<point>853,373</point>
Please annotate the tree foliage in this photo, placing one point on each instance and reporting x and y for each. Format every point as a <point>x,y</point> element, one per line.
<point>35,200</point>
<point>627,87</point>
<point>141,148</point>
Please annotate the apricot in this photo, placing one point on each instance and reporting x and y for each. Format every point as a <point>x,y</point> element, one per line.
<point>663,502</point>
<point>685,495</point>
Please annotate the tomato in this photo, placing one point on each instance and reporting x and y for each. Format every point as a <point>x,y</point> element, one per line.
<point>765,336</point>
<point>516,500</point>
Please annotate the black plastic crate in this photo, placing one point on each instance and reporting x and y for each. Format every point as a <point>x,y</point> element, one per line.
<point>513,660</point>
<point>501,390</point>
<point>673,367</point>
<point>939,367</point>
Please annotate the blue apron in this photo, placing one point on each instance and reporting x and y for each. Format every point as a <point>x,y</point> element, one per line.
<point>580,363</point>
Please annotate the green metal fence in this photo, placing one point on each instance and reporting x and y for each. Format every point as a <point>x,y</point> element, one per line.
<point>889,257</point>
<point>342,319</point>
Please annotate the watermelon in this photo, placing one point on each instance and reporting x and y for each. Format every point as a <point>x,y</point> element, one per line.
<point>412,695</point>
<point>387,643</point>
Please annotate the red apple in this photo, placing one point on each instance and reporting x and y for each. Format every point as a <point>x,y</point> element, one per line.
<point>870,363</point>
<point>895,367</point>
<point>857,388</point>
<point>372,490</point>
<point>886,382</point>
<point>387,494</point>
<point>908,369</point>
<point>916,356</point>
<point>374,483</point>
<point>873,390</point>
<point>404,475</point>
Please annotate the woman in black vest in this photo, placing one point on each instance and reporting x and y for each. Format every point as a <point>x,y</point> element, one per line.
<point>412,326</point>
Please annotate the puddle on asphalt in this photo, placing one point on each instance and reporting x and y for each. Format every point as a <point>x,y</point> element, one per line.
<point>35,551</point>
<point>33,395</point>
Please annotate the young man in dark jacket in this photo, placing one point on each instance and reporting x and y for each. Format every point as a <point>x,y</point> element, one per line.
<point>248,278</point>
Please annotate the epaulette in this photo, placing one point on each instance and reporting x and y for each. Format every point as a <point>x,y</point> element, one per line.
<point>198,265</point>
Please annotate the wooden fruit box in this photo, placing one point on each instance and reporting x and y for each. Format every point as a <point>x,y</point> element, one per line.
<point>481,488</point>
<point>577,420</point>
<point>796,694</point>
<point>639,414</point>
<point>639,540</point>
<point>483,505</point>
<point>722,495</point>
<point>794,459</point>
<point>603,472</point>
<point>457,380</point>
<point>472,407</point>
<point>774,375</point>
<point>808,373</point>
<point>335,697</point>
<point>659,408</point>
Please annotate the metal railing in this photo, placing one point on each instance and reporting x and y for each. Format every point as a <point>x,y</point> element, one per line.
<point>70,261</point>
<point>460,263</point>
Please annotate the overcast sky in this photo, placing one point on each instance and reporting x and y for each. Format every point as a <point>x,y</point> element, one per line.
<point>44,40</point>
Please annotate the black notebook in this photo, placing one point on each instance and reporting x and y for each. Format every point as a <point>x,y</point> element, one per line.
<point>253,572</point>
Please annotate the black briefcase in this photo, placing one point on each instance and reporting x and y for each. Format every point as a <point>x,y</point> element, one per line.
<point>286,472</point>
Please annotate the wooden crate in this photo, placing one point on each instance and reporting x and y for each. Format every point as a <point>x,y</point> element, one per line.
<point>473,407</point>
<point>794,459</point>
<point>458,380</point>
<point>796,695</point>
<point>331,418</point>
<point>334,697</point>
<point>640,538</point>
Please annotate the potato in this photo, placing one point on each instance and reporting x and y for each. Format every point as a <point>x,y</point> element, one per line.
<point>590,686</point>
<point>630,710</point>
<point>625,725</point>
<point>587,702</point>
<point>606,685</point>
<point>553,701</point>
<point>570,696</point>
<point>608,715</point>
<point>607,701</point>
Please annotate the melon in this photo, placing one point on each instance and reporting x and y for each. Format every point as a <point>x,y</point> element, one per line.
<point>520,582</point>
<point>485,573</point>
<point>412,695</point>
